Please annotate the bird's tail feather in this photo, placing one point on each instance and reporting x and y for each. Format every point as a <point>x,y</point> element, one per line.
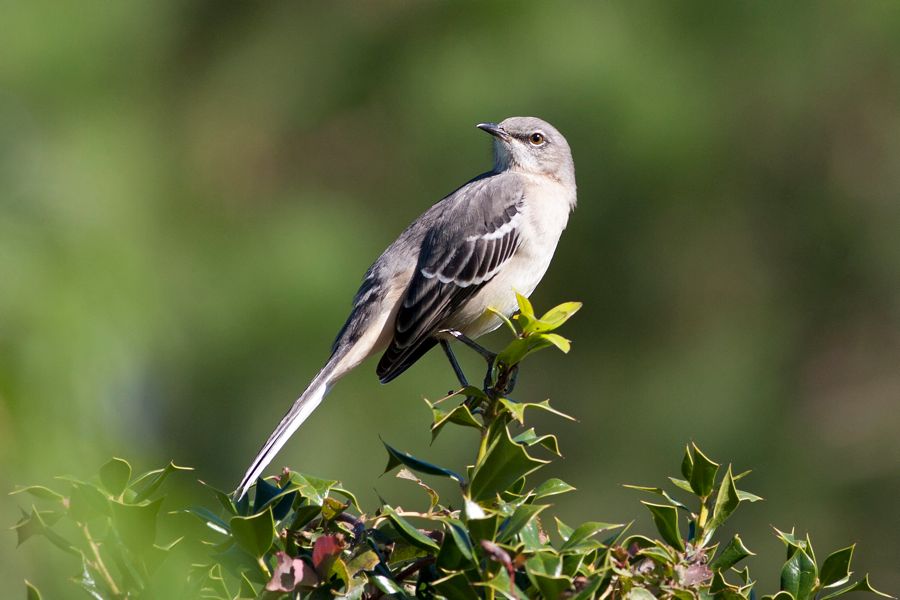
<point>299,412</point>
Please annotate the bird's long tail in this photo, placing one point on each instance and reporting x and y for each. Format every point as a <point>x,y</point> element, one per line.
<point>299,412</point>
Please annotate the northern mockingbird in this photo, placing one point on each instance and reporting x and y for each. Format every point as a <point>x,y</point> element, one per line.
<point>474,249</point>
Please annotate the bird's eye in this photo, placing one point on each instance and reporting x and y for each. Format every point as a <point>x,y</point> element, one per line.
<point>536,139</point>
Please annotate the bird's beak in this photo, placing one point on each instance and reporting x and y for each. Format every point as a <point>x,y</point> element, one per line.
<point>495,130</point>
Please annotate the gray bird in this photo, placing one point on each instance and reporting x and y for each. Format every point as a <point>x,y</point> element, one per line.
<point>475,249</point>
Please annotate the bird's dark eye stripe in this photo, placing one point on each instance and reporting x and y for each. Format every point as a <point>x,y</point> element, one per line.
<point>527,136</point>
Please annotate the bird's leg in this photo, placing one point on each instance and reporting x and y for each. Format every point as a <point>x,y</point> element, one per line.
<point>484,352</point>
<point>471,401</point>
<point>453,363</point>
<point>488,356</point>
<point>489,378</point>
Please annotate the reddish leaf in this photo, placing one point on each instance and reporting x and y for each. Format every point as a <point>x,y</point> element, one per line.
<point>498,554</point>
<point>325,550</point>
<point>290,573</point>
<point>693,575</point>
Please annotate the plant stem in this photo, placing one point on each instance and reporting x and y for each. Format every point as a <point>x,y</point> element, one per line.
<point>264,566</point>
<point>483,445</point>
<point>489,414</point>
<point>98,562</point>
<point>416,566</point>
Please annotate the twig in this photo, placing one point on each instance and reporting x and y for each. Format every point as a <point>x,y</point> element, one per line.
<point>422,562</point>
<point>98,562</point>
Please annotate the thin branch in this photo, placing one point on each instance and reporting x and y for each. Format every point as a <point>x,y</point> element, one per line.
<point>98,562</point>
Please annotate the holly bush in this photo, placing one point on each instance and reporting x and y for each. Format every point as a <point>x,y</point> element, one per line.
<point>298,536</point>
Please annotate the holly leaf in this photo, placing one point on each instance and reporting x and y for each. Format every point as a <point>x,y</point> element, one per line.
<point>504,463</point>
<point>114,475</point>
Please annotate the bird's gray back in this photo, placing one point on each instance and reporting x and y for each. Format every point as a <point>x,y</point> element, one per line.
<point>474,233</point>
<point>478,201</point>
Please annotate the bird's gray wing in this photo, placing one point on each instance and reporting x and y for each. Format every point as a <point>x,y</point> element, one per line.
<point>465,248</point>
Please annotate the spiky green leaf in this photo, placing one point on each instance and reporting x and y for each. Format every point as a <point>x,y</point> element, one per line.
<point>504,463</point>
<point>665,517</point>
<point>255,533</point>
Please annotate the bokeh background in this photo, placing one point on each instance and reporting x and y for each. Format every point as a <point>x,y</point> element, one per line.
<point>191,191</point>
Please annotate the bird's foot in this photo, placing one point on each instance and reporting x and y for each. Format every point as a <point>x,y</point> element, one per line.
<point>506,380</point>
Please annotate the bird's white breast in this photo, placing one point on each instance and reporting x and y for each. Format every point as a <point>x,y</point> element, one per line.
<point>545,215</point>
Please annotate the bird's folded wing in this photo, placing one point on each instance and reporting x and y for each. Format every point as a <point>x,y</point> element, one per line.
<point>470,243</point>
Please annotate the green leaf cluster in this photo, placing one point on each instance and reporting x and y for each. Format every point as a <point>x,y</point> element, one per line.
<point>108,522</point>
<point>298,536</point>
<point>697,565</point>
<point>535,333</point>
<point>802,578</point>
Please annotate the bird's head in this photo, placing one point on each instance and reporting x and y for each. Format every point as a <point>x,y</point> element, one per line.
<point>530,145</point>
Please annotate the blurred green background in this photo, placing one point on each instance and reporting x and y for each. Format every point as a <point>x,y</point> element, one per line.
<point>190,193</point>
